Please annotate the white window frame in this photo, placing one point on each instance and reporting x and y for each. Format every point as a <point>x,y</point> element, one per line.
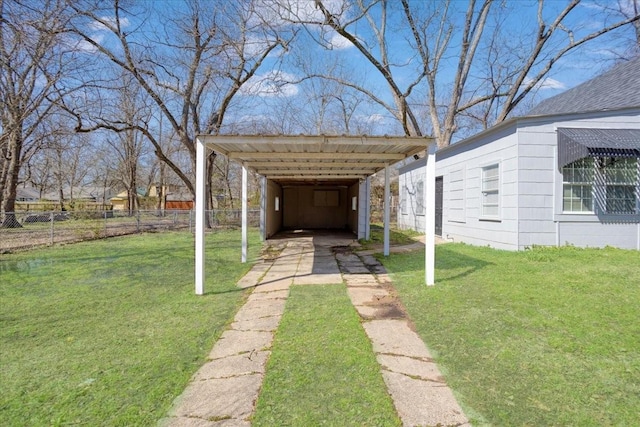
<point>420,209</point>
<point>571,183</point>
<point>404,206</point>
<point>490,186</point>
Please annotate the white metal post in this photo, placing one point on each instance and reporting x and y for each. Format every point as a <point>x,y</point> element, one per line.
<point>263,208</point>
<point>244,213</point>
<point>386,210</point>
<point>201,162</point>
<point>430,215</point>
<point>367,230</point>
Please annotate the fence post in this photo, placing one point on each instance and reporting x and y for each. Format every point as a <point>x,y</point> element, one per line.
<point>105,223</point>
<point>190,229</point>
<point>51,219</point>
<point>137,221</point>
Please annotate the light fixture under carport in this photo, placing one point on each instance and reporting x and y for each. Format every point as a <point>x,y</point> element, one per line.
<point>310,160</point>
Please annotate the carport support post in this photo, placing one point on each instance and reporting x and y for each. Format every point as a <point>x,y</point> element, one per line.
<point>201,160</point>
<point>430,215</point>
<point>263,208</point>
<point>386,210</point>
<point>244,213</point>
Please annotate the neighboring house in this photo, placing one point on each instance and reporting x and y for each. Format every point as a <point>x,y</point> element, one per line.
<point>27,194</point>
<point>179,201</point>
<point>567,173</point>
<point>120,200</point>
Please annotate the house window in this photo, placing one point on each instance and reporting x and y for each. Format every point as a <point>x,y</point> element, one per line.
<point>577,186</point>
<point>620,176</point>
<point>610,183</point>
<point>403,202</point>
<point>420,198</point>
<point>491,191</point>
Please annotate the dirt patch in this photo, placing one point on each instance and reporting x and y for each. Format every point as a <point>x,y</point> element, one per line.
<point>341,249</point>
<point>271,252</point>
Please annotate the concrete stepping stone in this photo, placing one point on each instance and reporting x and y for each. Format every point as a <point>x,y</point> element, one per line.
<point>261,324</point>
<point>233,366</point>
<point>255,309</point>
<point>234,342</point>
<point>423,403</point>
<point>280,294</point>
<point>424,369</point>
<point>219,399</point>
<point>252,278</point>
<point>367,280</point>
<point>395,337</point>
<point>367,296</point>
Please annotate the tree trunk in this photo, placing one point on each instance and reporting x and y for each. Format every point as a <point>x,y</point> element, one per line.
<point>10,190</point>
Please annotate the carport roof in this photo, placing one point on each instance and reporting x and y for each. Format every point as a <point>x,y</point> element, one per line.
<point>318,159</point>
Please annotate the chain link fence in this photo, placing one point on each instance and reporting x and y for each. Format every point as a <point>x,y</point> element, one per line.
<point>33,229</point>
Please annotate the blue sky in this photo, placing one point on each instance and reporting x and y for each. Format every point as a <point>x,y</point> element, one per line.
<point>260,96</point>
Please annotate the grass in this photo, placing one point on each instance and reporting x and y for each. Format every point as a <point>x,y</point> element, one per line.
<point>396,237</point>
<point>322,370</point>
<point>109,332</point>
<point>548,336</point>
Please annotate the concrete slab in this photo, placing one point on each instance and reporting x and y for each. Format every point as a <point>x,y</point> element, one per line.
<point>423,403</point>
<point>198,422</point>
<point>355,269</point>
<point>195,422</point>
<point>383,278</point>
<point>280,294</point>
<point>369,260</point>
<point>252,278</point>
<point>366,296</point>
<point>355,280</point>
<point>260,324</point>
<point>347,258</point>
<point>241,364</point>
<point>416,368</point>
<point>366,312</point>
<point>254,309</point>
<point>318,279</point>
<point>217,399</point>
<point>395,337</point>
<point>274,285</point>
<point>234,342</point>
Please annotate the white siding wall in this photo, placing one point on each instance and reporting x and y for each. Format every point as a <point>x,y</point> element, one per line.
<point>409,215</point>
<point>541,219</point>
<point>530,188</point>
<point>464,222</point>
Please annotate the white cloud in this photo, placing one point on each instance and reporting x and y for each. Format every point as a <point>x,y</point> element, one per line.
<point>79,45</point>
<point>271,84</point>
<point>111,21</point>
<point>373,119</point>
<point>339,42</point>
<point>284,12</point>
<point>547,83</point>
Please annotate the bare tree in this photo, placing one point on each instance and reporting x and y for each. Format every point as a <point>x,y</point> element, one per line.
<point>128,145</point>
<point>438,68</point>
<point>191,60</point>
<point>35,59</point>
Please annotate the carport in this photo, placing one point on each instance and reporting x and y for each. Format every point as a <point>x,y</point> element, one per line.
<point>320,182</point>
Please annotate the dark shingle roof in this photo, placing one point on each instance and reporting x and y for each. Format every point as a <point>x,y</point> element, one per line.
<point>613,90</point>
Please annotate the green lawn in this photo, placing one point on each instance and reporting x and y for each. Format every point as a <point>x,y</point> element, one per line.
<point>549,336</point>
<point>109,332</point>
<point>322,370</point>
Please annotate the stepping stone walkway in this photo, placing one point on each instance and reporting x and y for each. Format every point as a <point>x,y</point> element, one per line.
<point>224,391</point>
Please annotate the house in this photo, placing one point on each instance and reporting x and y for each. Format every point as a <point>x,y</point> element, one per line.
<point>566,173</point>
<point>27,194</point>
